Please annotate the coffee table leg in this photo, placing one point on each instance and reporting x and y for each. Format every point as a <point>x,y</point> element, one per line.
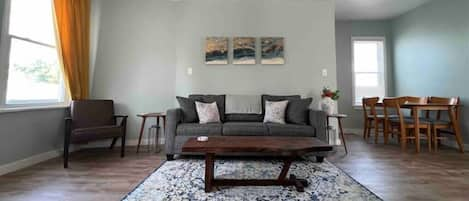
<point>209,175</point>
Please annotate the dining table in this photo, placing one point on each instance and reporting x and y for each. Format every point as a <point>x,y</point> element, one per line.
<point>417,107</point>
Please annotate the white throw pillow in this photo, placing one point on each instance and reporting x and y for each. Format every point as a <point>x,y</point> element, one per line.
<point>208,112</point>
<point>275,111</point>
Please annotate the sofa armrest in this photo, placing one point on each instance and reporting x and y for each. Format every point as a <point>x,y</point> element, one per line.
<point>173,118</point>
<point>318,120</point>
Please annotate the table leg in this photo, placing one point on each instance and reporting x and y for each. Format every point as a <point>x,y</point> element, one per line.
<point>456,128</point>
<point>142,127</point>
<point>157,134</point>
<point>209,171</point>
<point>285,169</point>
<point>416,128</point>
<point>342,134</point>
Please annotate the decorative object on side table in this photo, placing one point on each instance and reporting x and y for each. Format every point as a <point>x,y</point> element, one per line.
<point>329,100</point>
<point>144,117</point>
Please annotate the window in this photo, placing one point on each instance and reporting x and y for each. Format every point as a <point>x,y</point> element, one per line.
<point>30,59</point>
<point>369,64</point>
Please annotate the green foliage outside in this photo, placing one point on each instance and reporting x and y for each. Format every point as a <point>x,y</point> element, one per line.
<point>40,71</point>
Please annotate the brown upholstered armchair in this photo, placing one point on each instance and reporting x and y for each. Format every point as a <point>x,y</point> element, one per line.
<point>92,120</point>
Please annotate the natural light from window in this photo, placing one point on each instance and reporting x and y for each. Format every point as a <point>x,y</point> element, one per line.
<point>368,68</point>
<point>34,74</point>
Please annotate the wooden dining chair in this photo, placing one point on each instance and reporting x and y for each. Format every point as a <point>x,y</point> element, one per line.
<point>401,124</point>
<point>371,118</point>
<point>440,125</point>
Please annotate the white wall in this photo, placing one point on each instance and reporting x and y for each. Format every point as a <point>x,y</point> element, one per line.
<point>145,48</point>
<point>306,25</point>
<point>28,133</point>
<point>345,30</point>
<point>135,59</point>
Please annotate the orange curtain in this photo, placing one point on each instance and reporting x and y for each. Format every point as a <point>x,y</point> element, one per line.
<point>72,19</point>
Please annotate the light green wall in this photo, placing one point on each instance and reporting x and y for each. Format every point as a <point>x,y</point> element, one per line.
<point>345,30</point>
<point>431,48</point>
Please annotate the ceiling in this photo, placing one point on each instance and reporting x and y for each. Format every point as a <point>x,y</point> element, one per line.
<point>374,9</point>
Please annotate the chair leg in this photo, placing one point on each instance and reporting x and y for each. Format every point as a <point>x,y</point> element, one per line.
<point>429,139</point>
<point>385,132</point>
<point>376,131</point>
<point>123,146</point>
<point>368,133</point>
<point>113,143</point>
<point>435,139</point>
<point>66,145</point>
<point>365,129</point>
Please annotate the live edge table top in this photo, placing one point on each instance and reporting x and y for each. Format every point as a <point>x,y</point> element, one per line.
<point>257,144</point>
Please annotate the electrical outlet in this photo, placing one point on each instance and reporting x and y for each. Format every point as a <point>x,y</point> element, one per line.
<point>324,72</point>
<point>189,71</point>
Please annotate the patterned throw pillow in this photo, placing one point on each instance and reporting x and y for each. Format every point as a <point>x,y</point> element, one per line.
<point>207,112</point>
<point>275,111</point>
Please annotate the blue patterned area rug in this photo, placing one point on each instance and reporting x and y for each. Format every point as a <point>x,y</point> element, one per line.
<point>183,179</point>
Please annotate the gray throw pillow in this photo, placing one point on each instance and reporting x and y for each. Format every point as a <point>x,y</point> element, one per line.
<point>189,113</point>
<point>298,111</point>
<point>275,112</point>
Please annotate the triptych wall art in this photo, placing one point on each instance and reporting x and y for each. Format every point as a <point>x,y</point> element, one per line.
<point>244,50</point>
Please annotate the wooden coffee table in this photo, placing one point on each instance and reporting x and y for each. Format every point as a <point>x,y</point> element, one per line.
<point>288,147</point>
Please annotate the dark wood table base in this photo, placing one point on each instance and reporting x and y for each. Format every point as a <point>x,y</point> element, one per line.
<point>282,179</point>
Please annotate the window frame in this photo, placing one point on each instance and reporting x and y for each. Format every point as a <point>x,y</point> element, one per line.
<point>385,65</point>
<point>5,49</point>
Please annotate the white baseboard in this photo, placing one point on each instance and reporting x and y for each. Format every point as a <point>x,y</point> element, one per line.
<point>26,162</point>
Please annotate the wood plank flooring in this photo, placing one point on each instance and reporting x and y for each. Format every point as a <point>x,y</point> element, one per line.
<point>99,174</point>
<point>93,174</point>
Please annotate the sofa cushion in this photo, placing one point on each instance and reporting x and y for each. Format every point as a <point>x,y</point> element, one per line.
<point>243,104</point>
<point>95,133</point>
<point>196,129</point>
<point>220,99</point>
<point>244,128</point>
<point>189,113</point>
<point>244,118</point>
<point>298,111</point>
<point>290,130</point>
<point>277,98</point>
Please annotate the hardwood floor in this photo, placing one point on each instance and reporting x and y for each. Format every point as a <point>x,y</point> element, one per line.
<point>96,174</point>
<point>99,174</point>
<point>396,175</point>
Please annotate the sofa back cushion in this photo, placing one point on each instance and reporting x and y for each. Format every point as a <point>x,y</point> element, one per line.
<point>220,99</point>
<point>244,117</point>
<point>298,111</point>
<point>92,113</point>
<point>189,113</point>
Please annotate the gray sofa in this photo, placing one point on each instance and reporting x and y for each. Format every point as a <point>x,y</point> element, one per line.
<point>177,132</point>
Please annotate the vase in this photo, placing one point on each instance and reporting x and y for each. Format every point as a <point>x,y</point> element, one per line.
<point>328,105</point>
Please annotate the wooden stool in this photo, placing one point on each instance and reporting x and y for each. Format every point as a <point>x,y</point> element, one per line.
<point>144,117</point>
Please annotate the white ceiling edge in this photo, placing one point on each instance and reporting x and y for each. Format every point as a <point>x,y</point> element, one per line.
<point>374,9</point>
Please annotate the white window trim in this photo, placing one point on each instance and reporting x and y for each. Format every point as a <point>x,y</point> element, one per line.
<point>5,44</point>
<point>385,70</point>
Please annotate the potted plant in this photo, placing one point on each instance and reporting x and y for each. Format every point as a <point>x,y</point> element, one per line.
<point>329,99</point>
